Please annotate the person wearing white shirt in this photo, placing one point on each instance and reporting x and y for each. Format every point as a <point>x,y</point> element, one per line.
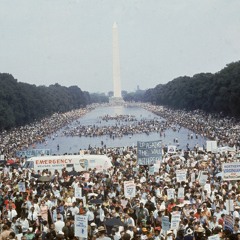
<point>217,213</point>
<point>11,213</point>
<point>59,224</point>
<point>32,215</point>
<point>235,214</point>
<point>36,207</point>
<point>74,209</point>
<point>49,203</point>
<point>90,215</point>
<point>75,183</point>
<point>112,194</point>
<point>70,200</point>
<point>23,222</point>
<point>56,192</point>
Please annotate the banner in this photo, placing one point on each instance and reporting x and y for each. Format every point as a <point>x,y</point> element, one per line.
<point>81,226</point>
<point>181,193</point>
<point>231,171</point>
<point>129,189</point>
<point>175,220</point>
<point>170,193</point>
<point>212,146</point>
<point>21,187</point>
<point>165,223</point>
<point>181,175</point>
<point>149,152</point>
<point>172,149</point>
<point>78,192</point>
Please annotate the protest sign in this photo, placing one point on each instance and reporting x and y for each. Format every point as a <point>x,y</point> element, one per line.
<point>202,177</point>
<point>180,193</point>
<point>81,226</point>
<point>212,146</point>
<point>21,187</point>
<point>175,220</point>
<point>231,171</point>
<point>181,175</point>
<point>151,170</point>
<point>129,189</point>
<point>165,223</point>
<point>156,166</point>
<point>170,193</point>
<point>149,152</point>
<point>78,192</point>
<point>172,149</point>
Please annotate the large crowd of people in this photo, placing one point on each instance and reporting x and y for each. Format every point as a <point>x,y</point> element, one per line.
<point>46,210</point>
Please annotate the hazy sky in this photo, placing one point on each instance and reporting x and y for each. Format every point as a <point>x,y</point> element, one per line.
<point>69,42</point>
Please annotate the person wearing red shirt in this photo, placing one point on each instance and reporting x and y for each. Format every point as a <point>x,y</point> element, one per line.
<point>171,205</point>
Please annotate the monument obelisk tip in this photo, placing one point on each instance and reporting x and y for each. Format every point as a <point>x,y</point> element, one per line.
<point>117,92</point>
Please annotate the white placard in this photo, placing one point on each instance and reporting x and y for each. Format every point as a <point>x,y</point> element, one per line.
<point>21,187</point>
<point>156,167</point>
<point>203,177</point>
<point>81,226</point>
<point>172,149</point>
<point>78,192</point>
<point>175,220</point>
<point>165,223</point>
<point>231,171</point>
<point>170,193</point>
<point>180,193</point>
<point>151,170</point>
<point>181,175</point>
<point>129,189</point>
<point>212,146</point>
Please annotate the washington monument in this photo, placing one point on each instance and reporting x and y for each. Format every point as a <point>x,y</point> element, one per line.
<point>117,91</point>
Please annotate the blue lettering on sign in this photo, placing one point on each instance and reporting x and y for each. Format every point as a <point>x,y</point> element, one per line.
<point>149,152</point>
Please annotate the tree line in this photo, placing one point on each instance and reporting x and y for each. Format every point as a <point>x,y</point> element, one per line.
<point>22,103</point>
<point>212,93</point>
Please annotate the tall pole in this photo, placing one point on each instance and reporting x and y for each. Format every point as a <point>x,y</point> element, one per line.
<point>116,64</point>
